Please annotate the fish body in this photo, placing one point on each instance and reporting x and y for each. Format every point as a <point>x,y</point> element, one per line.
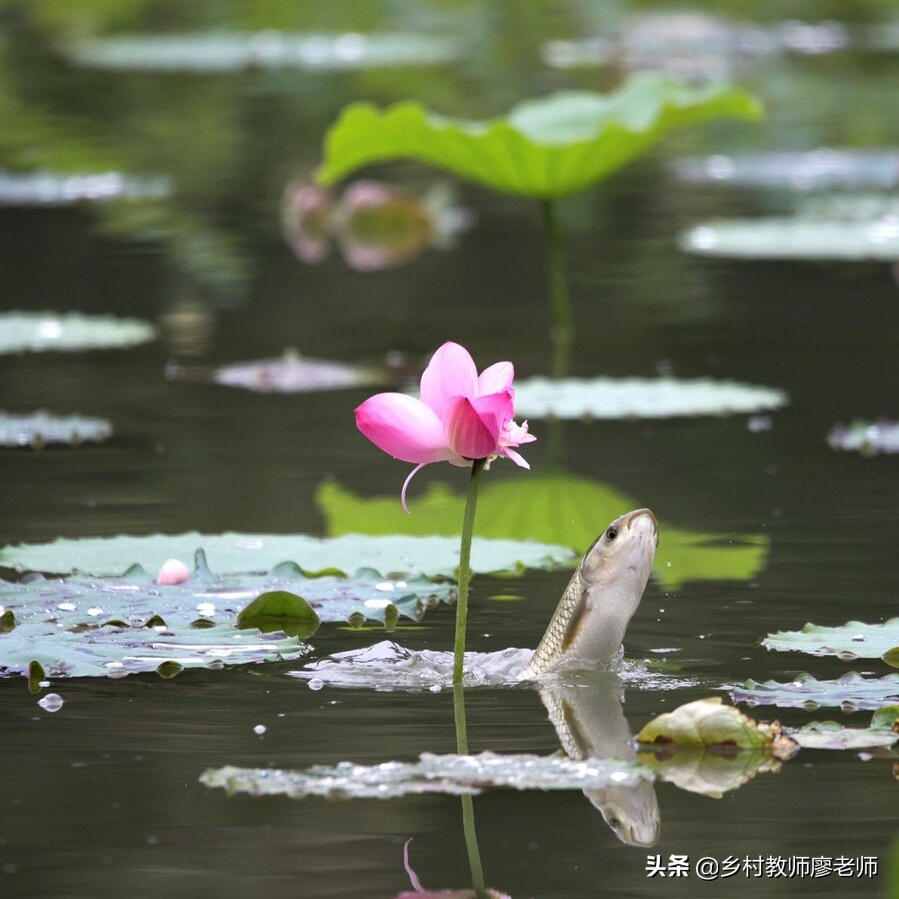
<point>590,621</point>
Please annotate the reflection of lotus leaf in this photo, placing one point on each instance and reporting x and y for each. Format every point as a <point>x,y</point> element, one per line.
<point>233,553</point>
<point>88,626</point>
<point>852,690</point>
<point>615,398</point>
<point>543,148</point>
<point>39,331</point>
<point>853,640</point>
<point>561,508</point>
<point>454,774</point>
<point>711,774</point>
<point>39,428</point>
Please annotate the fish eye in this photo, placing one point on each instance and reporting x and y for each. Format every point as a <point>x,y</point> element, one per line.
<point>614,823</point>
<point>611,533</point>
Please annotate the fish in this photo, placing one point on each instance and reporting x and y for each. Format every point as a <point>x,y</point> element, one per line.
<point>593,614</point>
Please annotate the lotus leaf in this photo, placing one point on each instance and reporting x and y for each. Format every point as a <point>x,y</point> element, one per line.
<point>614,398</point>
<point>866,240</point>
<point>852,691</point>
<point>233,553</point>
<point>870,438</point>
<point>453,774</point>
<point>292,373</point>
<point>39,429</point>
<point>802,170</point>
<point>831,735</point>
<point>228,52</point>
<point>87,626</point>
<point>557,508</point>
<point>853,640</point>
<point>57,189</point>
<point>542,149</point>
<point>71,331</point>
<point>711,724</point>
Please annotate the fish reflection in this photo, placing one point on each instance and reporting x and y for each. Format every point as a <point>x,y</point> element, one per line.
<point>590,723</point>
<point>376,226</point>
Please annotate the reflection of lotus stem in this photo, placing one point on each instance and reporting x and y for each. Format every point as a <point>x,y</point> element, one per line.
<point>471,837</point>
<point>471,503</point>
<point>562,331</point>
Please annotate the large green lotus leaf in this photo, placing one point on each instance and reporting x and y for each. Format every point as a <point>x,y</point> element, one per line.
<point>453,774</point>
<point>542,148</point>
<point>556,508</point>
<point>88,626</point>
<point>616,398</point>
<point>853,640</point>
<point>851,691</point>
<point>870,438</point>
<point>707,723</point>
<point>233,553</point>
<point>39,429</point>
<point>70,331</point>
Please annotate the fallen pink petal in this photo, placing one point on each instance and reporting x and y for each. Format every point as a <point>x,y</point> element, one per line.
<point>173,572</point>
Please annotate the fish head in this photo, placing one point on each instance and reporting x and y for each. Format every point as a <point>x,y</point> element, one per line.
<point>623,553</point>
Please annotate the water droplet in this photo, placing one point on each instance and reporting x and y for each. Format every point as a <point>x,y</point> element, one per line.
<point>435,688</point>
<point>52,702</point>
<point>316,683</point>
<point>259,730</point>
<point>858,638</point>
<point>67,607</point>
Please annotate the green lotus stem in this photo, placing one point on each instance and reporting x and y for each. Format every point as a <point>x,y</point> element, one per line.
<point>468,825</point>
<point>562,329</point>
<point>471,503</point>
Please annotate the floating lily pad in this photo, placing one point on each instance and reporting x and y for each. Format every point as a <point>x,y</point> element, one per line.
<point>454,774</point>
<point>228,52</point>
<point>870,438</point>
<point>232,553</point>
<point>530,509</point>
<point>542,148</point>
<point>868,240</point>
<point>87,626</point>
<point>708,723</point>
<point>612,398</point>
<point>804,170</point>
<point>292,373</point>
<point>851,691</point>
<point>853,640</point>
<point>40,428</point>
<point>71,331</point>
<point>58,189</point>
<point>831,735</point>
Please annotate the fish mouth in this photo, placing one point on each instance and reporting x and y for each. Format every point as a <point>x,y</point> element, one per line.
<point>640,518</point>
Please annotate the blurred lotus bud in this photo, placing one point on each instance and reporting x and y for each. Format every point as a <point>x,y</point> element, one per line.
<point>306,220</point>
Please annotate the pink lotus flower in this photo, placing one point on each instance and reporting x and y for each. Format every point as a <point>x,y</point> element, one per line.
<point>461,416</point>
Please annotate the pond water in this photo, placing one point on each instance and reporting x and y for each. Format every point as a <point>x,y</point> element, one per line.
<point>102,798</point>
